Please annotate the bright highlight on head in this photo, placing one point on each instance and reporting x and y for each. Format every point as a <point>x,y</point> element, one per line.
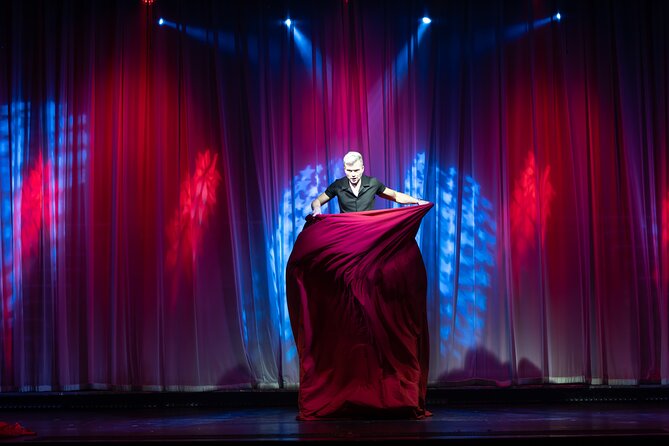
<point>352,157</point>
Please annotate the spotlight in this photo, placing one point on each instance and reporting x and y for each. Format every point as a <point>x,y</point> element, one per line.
<point>162,22</point>
<point>558,16</point>
<point>287,22</point>
<point>426,20</point>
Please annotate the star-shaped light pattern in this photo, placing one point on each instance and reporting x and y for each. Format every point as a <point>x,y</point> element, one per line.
<point>465,275</point>
<point>32,202</point>
<point>526,212</point>
<point>197,198</point>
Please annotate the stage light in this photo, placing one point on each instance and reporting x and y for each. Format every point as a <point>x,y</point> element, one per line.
<point>558,16</point>
<point>427,20</point>
<point>168,24</point>
<point>287,22</point>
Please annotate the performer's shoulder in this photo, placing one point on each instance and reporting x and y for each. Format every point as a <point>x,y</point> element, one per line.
<point>373,181</point>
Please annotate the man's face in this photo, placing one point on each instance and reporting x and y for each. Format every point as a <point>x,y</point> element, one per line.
<point>354,172</point>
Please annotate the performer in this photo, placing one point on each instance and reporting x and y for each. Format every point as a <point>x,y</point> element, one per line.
<point>356,287</point>
<point>356,192</point>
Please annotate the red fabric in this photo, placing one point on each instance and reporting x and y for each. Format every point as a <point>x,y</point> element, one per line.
<point>13,430</point>
<point>356,289</point>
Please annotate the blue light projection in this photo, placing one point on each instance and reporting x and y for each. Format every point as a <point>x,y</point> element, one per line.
<point>295,206</point>
<point>414,184</point>
<point>464,272</point>
<point>222,40</point>
<point>64,156</point>
<point>12,136</point>
<point>305,49</point>
<point>408,52</point>
<point>28,210</point>
<point>487,39</point>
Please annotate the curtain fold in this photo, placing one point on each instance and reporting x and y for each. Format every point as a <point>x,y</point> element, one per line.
<point>155,176</point>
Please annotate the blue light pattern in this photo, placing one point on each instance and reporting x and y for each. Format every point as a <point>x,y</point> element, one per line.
<point>295,206</point>
<point>464,273</point>
<point>463,291</point>
<point>14,146</point>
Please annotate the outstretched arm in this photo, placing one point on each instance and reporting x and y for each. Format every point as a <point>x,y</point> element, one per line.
<point>318,202</point>
<point>399,197</point>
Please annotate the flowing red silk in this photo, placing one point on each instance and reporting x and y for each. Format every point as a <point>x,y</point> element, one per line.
<point>356,288</point>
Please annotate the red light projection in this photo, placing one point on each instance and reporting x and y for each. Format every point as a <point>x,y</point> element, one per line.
<point>526,213</point>
<point>33,211</point>
<point>665,223</point>
<point>196,201</point>
<point>30,199</point>
<point>665,242</point>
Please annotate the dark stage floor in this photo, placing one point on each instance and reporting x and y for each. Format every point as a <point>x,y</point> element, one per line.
<point>264,417</point>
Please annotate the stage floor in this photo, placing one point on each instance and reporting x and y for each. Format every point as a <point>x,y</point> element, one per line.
<point>526,423</point>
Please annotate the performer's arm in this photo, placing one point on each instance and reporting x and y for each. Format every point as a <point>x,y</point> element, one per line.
<point>318,202</point>
<point>399,197</point>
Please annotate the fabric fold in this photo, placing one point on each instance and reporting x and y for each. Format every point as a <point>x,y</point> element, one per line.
<point>356,288</point>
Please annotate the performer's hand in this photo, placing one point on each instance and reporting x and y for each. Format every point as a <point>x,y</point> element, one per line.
<point>316,211</point>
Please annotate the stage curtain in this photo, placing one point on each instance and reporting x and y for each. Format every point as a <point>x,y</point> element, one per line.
<point>154,179</point>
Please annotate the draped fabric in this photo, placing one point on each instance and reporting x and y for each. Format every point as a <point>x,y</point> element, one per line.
<point>356,290</point>
<point>154,178</point>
